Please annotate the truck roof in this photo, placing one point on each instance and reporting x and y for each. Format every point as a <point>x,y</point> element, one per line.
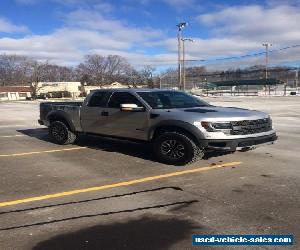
<point>133,90</point>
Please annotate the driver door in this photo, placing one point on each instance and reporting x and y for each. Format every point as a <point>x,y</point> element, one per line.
<point>130,124</point>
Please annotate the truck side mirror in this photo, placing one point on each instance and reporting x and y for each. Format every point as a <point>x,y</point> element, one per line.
<point>131,108</point>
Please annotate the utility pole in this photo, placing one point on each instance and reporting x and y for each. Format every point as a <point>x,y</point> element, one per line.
<point>206,86</point>
<point>267,45</point>
<point>180,27</point>
<point>183,64</point>
<point>183,59</point>
<point>296,77</point>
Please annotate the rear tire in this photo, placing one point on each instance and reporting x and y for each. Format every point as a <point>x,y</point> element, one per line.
<point>61,134</point>
<point>176,148</point>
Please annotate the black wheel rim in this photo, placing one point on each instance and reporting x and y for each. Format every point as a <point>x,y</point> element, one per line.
<point>59,133</point>
<point>173,149</point>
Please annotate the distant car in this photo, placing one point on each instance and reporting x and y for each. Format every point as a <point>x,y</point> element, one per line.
<point>179,126</point>
<point>43,97</point>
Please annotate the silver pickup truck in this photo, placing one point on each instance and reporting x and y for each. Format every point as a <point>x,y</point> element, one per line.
<point>180,127</point>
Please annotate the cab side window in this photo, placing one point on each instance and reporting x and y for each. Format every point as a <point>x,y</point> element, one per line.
<point>123,98</point>
<point>99,99</point>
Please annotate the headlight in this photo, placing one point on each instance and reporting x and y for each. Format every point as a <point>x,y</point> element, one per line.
<point>216,126</point>
<point>207,126</point>
<point>270,122</point>
<point>223,125</point>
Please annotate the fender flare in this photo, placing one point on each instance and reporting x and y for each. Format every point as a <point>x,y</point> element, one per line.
<point>61,115</point>
<point>193,130</point>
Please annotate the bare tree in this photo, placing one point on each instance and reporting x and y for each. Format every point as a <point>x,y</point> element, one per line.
<point>147,76</point>
<point>21,70</point>
<point>100,70</point>
<point>117,68</point>
<point>37,75</point>
<point>13,70</point>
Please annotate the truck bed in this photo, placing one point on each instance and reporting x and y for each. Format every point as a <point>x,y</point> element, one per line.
<point>72,109</point>
<point>78,103</point>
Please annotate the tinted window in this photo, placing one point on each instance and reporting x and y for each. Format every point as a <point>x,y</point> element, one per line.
<point>171,99</point>
<point>123,98</point>
<point>99,99</point>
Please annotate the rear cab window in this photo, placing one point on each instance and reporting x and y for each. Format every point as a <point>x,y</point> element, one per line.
<point>99,99</point>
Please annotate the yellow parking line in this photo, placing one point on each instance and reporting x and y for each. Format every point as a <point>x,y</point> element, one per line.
<point>114,185</point>
<point>10,136</point>
<point>42,152</point>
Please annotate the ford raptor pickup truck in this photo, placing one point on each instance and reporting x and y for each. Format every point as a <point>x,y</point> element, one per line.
<point>179,126</point>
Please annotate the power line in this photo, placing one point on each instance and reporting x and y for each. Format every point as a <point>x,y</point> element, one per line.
<point>243,56</point>
<point>224,58</point>
<point>241,72</point>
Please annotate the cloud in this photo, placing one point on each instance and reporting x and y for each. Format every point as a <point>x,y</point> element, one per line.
<point>255,23</point>
<point>239,30</point>
<point>232,31</point>
<point>116,29</point>
<point>83,32</point>
<point>8,27</point>
<point>213,47</point>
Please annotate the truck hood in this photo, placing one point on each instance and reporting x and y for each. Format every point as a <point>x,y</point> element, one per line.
<point>213,113</point>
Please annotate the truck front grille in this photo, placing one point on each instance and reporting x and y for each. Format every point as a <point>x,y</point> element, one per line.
<point>246,127</point>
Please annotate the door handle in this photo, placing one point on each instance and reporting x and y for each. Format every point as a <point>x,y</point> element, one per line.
<point>104,113</point>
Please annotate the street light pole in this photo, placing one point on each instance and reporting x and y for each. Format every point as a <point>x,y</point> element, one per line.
<point>180,27</point>
<point>267,45</point>
<point>297,79</point>
<point>183,58</point>
<point>183,65</point>
<point>179,57</point>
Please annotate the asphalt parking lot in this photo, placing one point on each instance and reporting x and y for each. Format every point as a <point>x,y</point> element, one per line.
<point>107,194</point>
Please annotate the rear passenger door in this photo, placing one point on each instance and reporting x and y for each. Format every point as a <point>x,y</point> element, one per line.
<point>94,114</point>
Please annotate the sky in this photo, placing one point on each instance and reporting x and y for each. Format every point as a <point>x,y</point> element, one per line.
<point>144,32</point>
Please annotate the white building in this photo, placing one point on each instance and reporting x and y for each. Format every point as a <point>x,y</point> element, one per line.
<point>15,93</point>
<point>60,89</point>
<point>115,85</point>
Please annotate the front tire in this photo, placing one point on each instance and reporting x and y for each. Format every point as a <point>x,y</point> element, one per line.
<point>61,134</point>
<point>176,148</point>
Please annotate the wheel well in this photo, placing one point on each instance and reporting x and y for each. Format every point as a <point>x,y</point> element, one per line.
<point>164,129</point>
<point>53,118</point>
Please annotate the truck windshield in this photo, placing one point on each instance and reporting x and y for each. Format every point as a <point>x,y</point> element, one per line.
<point>171,100</point>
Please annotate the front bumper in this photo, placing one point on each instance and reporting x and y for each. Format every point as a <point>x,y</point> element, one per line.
<point>238,144</point>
